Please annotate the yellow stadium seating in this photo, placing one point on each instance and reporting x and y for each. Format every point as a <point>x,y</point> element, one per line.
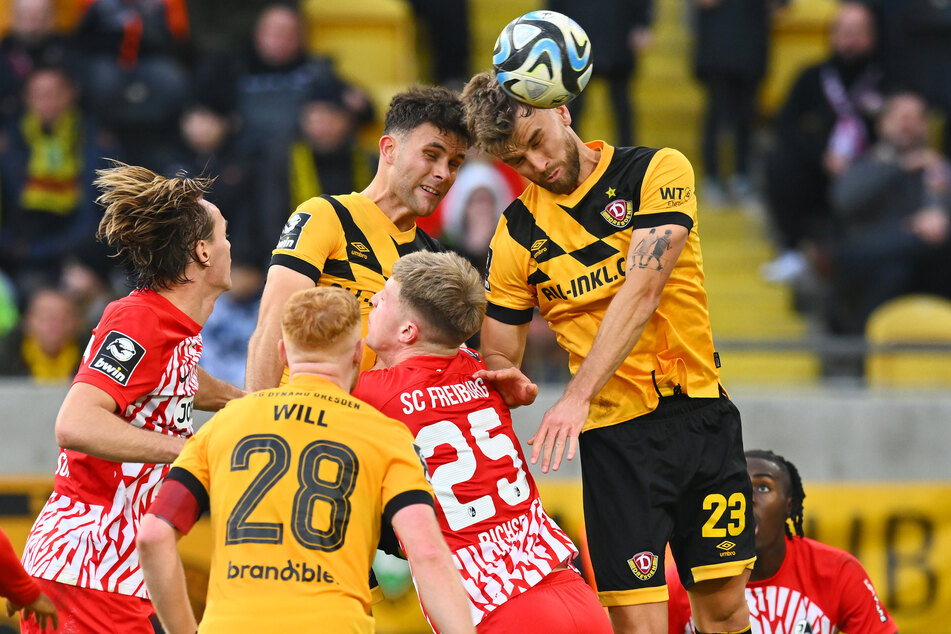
<point>919,320</point>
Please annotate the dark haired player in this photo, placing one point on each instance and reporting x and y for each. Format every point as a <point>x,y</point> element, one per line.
<point>798,584</point>
<point>353,240</point>
<point>604,243</point>
<point>129,409</point>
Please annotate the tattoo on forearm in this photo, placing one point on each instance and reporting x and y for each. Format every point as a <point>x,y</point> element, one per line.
<point>648,252</point>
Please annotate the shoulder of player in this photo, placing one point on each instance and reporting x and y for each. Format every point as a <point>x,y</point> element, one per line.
<point>134,317</point>
<point>668,159</point>
<point>827,555</point>
<point>319,207</point>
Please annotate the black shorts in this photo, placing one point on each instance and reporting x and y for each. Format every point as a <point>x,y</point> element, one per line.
<point>677,475</point>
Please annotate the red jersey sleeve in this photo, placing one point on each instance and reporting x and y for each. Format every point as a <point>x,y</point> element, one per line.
<point>860,609</point>
<point>125,355</point>
<point>15,583</point>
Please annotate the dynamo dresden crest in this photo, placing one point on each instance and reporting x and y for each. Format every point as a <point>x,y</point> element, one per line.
<point>643,565</point>
<point>618,213</point>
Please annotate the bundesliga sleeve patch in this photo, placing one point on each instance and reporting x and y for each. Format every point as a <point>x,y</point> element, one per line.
<point>118,356</point>
<point>292,230</point>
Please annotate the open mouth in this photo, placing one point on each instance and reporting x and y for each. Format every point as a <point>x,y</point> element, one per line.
<point>432,191</point>
<point>554,175</point>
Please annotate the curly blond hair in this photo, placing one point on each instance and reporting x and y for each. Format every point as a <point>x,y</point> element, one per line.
<point>491,113</point>
<point>153,222</point>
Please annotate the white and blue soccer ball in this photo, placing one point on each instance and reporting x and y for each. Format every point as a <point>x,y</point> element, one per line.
<point>543,59</point>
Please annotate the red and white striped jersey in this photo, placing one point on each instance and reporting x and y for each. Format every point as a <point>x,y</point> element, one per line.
<point>501,539</point>
<point>144,353</point>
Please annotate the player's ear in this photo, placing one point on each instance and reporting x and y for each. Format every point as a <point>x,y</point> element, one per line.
<point>563,114</point>
<point>282,351</point>
<point>409,333</point>
<point>388,145</point>
<point>358,353</point>
<point>201,253</point>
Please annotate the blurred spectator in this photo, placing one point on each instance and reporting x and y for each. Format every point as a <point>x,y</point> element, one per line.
<point>208,145</point>
<point>326,157</point>
<point>618,30</point>
<point>825,123</point>
<point>918,34</point>
<point>730,53</point>
<point>46,173</point>
<point>894,206</point>
<point>267,85</point>
<point>46,345</point>
<point>446,25</point>
<point>473,206</point>
<point>226,333</point>
<point>133,82</point>
<point>92,291</point>
<point>31,42</point>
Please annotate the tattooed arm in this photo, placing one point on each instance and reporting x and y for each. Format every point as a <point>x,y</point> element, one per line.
<point>651,258</point>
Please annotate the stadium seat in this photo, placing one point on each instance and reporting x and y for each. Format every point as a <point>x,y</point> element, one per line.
<point>918,320</point>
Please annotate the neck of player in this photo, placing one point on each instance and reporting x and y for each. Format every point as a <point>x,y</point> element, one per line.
<point>336,373</point>
<point>389,358</point>
<point>769,560</point>
<point>192,298</point>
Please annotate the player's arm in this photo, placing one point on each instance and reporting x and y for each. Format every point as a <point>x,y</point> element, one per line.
<point>21,589</point>
<point>156,543</point>
<point>213,393</point>
<point>437,580</point>
<point>502,348</point>
<point>264,368</point>
<point>87,422</point>
<point>624,321</point>
<point>861,609</point>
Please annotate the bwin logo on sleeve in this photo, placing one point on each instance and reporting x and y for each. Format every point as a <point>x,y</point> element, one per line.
<point>290,234</point>
<point>118,356</point>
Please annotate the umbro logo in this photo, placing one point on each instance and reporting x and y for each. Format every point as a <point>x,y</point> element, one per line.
<point>726,545</point>
<point>539,247</point>
<point>359,246</point>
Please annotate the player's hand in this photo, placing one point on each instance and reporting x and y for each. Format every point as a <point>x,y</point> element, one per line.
<point>515,388</point>
<point>42,610</point>
<point>559,432</point>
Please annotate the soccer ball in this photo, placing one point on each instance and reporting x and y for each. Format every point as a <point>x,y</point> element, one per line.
<point>543,59</point>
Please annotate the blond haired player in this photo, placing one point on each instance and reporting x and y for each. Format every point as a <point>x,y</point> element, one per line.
<point>604,243</point>
<point>298,480</point>
<point>514,560</point>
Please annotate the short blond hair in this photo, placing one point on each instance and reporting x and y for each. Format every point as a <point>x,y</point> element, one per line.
<point>445,291</point>
<point>491,113</point>
<point>320,318</point>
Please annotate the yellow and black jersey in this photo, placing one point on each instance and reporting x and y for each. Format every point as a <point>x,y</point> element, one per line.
<point>297,480</point>
<point>566,255</point>
<point>347,241</point>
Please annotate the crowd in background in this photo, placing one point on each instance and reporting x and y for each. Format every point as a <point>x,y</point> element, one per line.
<point>855,185</point>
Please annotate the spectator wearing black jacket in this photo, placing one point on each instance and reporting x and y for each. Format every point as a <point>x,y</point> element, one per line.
<point>825,123</point>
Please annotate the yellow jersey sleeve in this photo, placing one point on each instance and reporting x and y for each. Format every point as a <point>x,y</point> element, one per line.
<point>510,295</point>
<point>668,192</point>
<point>311,236</point>
<point>405,481</point>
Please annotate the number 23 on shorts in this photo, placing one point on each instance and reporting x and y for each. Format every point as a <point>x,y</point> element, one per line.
<point>719,504</point>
